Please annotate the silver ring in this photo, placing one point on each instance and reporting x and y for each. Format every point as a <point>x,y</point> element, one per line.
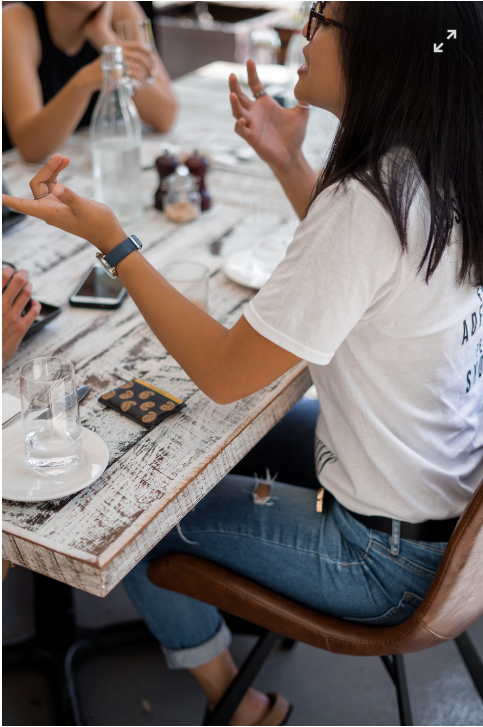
<point>303,105</point>
<point>42,195</point>
<point>259,95</point>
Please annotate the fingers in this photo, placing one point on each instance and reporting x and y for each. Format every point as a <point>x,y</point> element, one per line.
<point>22,298</point>
<point>242,130</point>
<point>7,275</point>
<point>235,88</point>
<point>238,111</point>
<point>26,206</point>
<point>253,81</point>
<point>68,197</point>
<point>17,282</point>
<point>43,180</point>
<point>138,55</point>
<point>29,317</point>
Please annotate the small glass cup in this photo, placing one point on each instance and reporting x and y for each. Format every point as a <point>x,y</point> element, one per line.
<point>50,416</point>
<point>190,279</point>
<point>140,31</point>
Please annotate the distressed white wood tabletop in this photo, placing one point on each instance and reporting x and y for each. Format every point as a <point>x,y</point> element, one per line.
<point>92,539</point>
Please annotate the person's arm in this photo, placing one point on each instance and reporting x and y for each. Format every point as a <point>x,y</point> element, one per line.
<point>276,134</point>
<point>16,294</point>
<point>37,130</point>
<point>226,365</point>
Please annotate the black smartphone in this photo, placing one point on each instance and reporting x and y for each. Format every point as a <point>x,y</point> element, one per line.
<point>98,290</point>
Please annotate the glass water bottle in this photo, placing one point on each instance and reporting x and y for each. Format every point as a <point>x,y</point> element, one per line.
<point>115,135</point>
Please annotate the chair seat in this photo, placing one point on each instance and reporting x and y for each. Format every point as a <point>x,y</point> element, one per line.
<point>231,592</point>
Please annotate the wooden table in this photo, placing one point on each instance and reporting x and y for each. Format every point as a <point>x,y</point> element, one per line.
<point>92,539</point>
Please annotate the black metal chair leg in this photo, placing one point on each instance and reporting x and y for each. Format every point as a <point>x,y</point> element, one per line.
<point>397,672</point>
<point>237,689</point>
<point>402,690</point>
<point>472,660</point>
<point>75,654</point>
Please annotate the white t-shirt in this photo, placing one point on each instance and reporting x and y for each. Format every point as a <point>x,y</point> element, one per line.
<point>397,363</point>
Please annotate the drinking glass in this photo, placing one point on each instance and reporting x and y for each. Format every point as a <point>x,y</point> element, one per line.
<point>140,31</point>
<point>50,416</point>
<point>190,279</point>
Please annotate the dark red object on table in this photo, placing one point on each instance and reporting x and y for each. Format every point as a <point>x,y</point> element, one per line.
<point>198,166</point>
<point>165,165</point>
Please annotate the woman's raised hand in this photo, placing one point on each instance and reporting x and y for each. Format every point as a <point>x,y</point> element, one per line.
<point>98,29</point>
<point>275,133</point>
<point>61,207</point>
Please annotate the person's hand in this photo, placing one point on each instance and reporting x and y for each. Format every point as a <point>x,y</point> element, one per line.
<point>97,29</point>
<point>137,60</point>
<point>16,294</point>
<point>63,208</point>
<point>275,133</point>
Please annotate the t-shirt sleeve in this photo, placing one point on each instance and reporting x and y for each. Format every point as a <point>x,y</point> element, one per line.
<point>341,267</point>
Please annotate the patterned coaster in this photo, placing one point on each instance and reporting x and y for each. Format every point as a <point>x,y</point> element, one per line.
<point>144,403</point>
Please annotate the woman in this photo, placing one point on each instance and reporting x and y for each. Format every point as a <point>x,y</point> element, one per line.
<point>52,71</point>
<point>381,291</point>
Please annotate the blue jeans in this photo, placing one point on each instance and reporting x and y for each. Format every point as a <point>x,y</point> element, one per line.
<point>328,561</point>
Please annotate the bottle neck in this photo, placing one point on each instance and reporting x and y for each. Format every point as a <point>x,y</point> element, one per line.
<point>112,65</point>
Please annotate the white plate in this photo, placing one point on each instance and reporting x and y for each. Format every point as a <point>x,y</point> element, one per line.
<point>252,269</point>
<point>21,483</point>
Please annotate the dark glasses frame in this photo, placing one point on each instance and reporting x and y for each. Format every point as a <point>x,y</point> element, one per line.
<point>317,18</point>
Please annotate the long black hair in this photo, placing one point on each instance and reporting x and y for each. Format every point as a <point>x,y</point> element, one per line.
<point>401,94</point>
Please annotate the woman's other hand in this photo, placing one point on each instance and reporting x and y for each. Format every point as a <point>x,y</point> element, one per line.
<point>16,294</point>
<point>275,133</point>
<point>63,208</point>
<point>98,29</point>
<point>138,61</point>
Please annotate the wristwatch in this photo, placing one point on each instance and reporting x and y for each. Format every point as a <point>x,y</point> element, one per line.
<point>114,257</point>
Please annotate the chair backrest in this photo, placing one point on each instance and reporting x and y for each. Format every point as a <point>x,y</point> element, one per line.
<point>453,602</point>
<point>455,598</point>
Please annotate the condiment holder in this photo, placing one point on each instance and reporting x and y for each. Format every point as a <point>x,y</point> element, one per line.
<point>181,198</point>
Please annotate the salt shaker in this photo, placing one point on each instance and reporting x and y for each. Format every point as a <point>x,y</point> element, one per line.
<point>181,199</point>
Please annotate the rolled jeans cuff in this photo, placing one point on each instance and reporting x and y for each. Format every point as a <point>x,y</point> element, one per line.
<point>197,655</point>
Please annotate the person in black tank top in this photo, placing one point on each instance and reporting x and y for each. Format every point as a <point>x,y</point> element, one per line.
<point>52,72</point>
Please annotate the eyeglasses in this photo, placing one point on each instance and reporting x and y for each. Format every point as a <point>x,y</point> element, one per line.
<point>317,18</point>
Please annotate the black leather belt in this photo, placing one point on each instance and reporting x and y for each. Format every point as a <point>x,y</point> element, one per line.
<point>436,531</point>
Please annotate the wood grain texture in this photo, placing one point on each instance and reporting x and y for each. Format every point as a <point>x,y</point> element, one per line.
<point>92,539</point>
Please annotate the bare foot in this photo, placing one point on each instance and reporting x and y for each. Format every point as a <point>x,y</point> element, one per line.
<point>252,709</point>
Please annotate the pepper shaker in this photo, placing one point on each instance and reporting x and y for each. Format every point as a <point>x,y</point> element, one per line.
<point>198,166</point>
<point>165,165</point>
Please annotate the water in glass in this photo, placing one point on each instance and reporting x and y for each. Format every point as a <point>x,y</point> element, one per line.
<point>50,416</point>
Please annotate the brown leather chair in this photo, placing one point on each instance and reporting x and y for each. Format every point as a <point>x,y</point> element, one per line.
<point>452,604</point>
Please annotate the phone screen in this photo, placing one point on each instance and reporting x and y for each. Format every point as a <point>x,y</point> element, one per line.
<point>99,284</point>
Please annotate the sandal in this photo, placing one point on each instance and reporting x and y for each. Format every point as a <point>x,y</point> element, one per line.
<point>279,713</point>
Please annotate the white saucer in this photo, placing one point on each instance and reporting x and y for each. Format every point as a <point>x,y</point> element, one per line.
<point>251,268</point>
<point>21,483</point>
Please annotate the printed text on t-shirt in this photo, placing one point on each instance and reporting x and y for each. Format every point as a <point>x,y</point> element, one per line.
<point>471,326</point>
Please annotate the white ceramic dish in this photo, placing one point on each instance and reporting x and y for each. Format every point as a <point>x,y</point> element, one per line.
<point>252,269</point>
<point>21,483</point>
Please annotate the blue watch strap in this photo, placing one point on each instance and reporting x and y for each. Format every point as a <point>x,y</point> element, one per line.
<point>124,248</point>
